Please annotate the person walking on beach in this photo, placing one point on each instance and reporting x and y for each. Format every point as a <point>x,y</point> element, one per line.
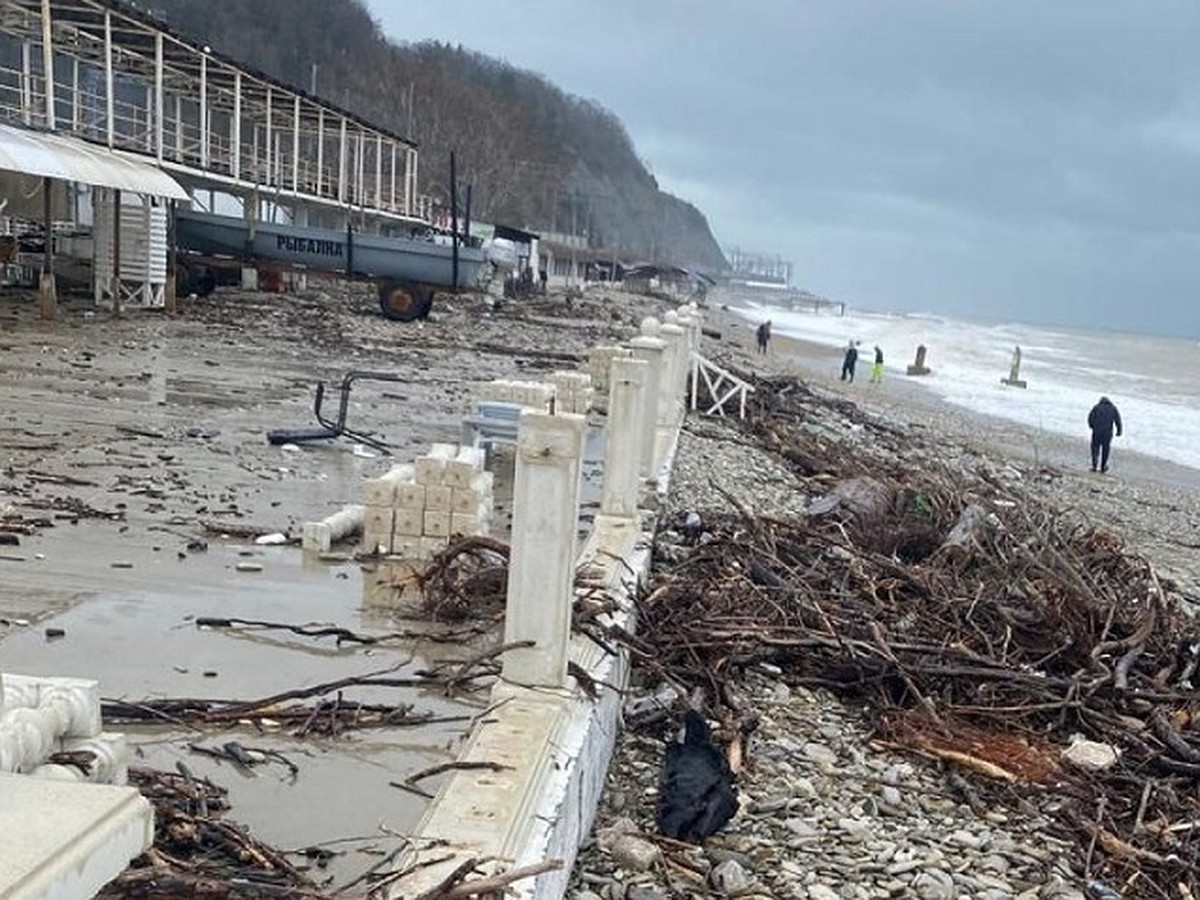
<point>849,361</point>
<point>1102,419</point>
<point>764,336</point>
<point>877,369</point>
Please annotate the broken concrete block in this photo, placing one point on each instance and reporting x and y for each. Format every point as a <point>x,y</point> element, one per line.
<point>409,522</point>
<point>468,499</point>
<point>464,467</point>
<point>431,467</point>
<point>437,498</point>
<point>382,491</point>
<point>464,523</point>
<point>437,523</point>
<point>320,536</point>
<point>378,524</point>
<point>407,547</point>
<point>431,546</point>
<point>410,496</point>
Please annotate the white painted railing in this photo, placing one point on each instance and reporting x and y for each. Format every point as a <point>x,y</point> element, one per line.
<point>722,385</point>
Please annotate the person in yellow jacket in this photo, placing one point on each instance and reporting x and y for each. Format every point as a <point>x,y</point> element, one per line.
<point>877,369</point>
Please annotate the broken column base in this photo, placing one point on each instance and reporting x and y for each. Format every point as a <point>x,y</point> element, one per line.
<point>68,840</point>
<point>1014,382</point>
<point>47,297</point>
<point>917,370</point>
<point>319,537</point>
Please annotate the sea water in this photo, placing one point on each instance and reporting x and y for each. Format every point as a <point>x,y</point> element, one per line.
<point>1154,381</point>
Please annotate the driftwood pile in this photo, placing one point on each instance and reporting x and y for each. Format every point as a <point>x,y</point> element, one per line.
<point>198,853</point>
<point>982,627</point>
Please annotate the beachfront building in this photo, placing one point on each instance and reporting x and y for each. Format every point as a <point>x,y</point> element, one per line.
<point>104,109</point>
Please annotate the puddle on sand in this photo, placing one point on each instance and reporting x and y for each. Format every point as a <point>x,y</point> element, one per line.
<point>136,636</point>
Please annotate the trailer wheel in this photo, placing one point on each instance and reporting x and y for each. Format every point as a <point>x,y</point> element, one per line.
<point>194,279</point>
<point>403,301</point>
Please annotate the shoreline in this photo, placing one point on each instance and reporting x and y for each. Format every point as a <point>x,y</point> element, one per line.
<point>1154,504</point>
<point>902,395</point>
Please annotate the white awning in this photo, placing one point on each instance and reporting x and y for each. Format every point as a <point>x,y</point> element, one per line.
<point>68,158</point>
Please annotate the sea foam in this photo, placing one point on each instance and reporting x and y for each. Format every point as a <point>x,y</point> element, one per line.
<point>1154,381</point>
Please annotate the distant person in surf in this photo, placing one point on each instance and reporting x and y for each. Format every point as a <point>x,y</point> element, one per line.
<point>877,369</point>
<point>1102,420</point>
<point>849,361</point>
<point>764,336</point>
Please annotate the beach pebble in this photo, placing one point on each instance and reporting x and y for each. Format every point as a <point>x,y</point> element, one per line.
<point>634,854</point>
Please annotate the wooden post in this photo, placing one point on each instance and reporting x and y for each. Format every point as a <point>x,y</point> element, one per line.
<point>47,293</point>
<point>454,220</point>
<point>170,300</point>
<point>116,279</point>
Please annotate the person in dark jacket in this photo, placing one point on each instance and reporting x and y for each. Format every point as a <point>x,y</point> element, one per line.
<point>1102,420</point>
<point>764,336</point>
<point>849,361</point>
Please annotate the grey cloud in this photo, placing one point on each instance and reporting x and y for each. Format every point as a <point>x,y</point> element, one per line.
<point>1021,158</point>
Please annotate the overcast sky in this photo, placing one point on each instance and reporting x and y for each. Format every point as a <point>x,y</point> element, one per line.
<point>1034,160</point>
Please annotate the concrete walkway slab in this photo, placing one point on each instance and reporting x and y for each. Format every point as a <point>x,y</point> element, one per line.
<point>65,841</point>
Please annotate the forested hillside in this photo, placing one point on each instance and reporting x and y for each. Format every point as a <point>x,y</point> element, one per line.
<point>535,155</point>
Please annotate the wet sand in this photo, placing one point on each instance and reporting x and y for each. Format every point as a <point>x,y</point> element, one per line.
<point>161,423</point>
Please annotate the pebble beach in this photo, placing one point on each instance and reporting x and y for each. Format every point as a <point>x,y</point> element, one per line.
<point>827,809</point>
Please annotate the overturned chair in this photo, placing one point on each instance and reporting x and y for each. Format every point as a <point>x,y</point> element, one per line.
<point>327,429</point>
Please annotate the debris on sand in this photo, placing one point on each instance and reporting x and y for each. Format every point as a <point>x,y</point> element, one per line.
<point>981,627</point>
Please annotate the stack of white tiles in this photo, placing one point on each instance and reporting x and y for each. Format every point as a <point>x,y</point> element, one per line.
<point>535,395</point>
<point>573,392</point>
<point>43,716</point>
<point>414,510</point>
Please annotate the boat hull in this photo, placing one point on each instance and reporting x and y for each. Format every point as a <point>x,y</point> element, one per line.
<point>342,252</point>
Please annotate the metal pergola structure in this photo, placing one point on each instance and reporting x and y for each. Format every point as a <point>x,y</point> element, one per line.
<point>123,80</point>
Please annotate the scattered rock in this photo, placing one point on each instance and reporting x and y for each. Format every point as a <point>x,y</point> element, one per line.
<point>634,853</point>
<point>730,878</point>
<point>1091,756</point>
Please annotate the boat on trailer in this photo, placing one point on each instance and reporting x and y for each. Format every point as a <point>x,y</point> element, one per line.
<point>407,270</point>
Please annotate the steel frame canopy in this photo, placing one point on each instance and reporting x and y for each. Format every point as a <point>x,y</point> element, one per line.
<point>198,113</point>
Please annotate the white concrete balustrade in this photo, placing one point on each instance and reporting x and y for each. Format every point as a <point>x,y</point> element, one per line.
<point>679,355</point>
<point>624,436</point>
<point>553,741</point>
<point>541,566</point>
<point>651,351</point>
<point>63,839</point>
<point>36,714</point>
